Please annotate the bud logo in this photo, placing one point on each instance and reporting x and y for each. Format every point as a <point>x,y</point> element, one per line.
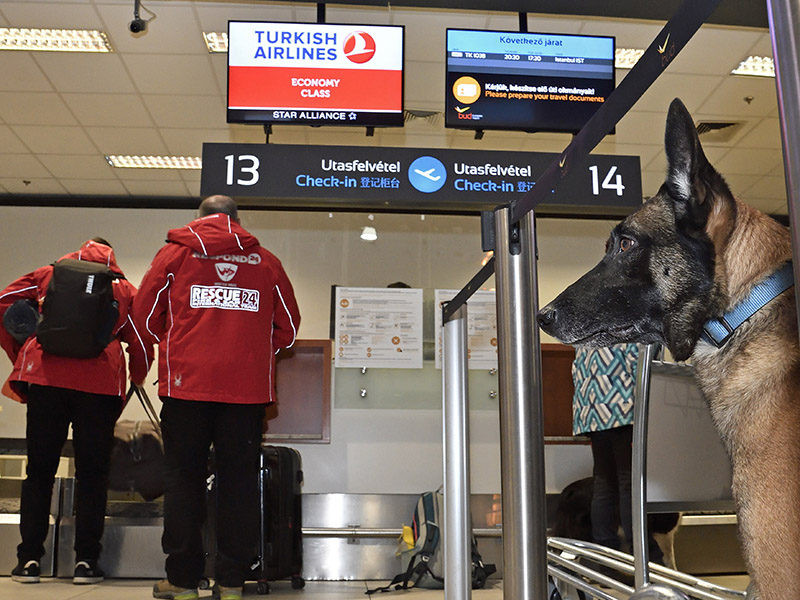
<point>226,271</point>
<point>359,47</point>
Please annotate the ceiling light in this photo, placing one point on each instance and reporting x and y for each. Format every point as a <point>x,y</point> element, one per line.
<point>216,42</point>
<point>760,66</point>
<point>369,234</point>
<point>54,40</point>
<point>155,162</point>
<point>625,58</point>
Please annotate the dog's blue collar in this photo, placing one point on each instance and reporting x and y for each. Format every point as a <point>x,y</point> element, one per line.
<point>718,331</point>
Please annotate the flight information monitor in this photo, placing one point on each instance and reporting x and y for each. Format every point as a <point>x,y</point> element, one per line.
<point>315,74</point>
<point>526,81</point>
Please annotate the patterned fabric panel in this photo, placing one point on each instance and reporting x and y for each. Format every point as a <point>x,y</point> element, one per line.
<point>604,381</point>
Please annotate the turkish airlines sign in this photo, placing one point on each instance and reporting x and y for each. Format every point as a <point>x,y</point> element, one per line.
<point>313,73</point>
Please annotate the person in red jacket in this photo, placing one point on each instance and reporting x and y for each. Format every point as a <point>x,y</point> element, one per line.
<point>87,392</point>
<point>220,307</point>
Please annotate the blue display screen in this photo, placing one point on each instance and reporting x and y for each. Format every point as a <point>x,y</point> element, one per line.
<point>526,81</point>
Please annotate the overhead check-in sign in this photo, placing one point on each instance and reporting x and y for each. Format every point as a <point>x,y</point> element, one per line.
<point>430,180</point>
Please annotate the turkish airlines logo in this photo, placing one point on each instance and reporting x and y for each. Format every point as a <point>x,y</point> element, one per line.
<point>359,47</point>
<point>226,271</point>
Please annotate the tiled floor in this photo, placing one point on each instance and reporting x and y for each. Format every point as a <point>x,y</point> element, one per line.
<point>131,589</point>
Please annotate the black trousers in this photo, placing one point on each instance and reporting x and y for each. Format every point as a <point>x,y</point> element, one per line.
<point>189,429</point>
<point>612,452</point>
<point>50,410</point>
<point>611,501</point>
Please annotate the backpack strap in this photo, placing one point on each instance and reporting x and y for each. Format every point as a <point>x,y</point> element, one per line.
<point>417,567</point>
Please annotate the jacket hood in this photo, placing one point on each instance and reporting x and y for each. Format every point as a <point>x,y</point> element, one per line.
<point>99,253</point>
<point>212,235</point>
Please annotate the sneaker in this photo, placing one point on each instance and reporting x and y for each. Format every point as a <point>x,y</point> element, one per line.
<point>87,571</point>
<point>220,592</point>
<point>27,572</point>
<point>164,589</point>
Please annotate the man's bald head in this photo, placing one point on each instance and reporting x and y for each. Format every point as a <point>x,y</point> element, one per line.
<point>219,204</point>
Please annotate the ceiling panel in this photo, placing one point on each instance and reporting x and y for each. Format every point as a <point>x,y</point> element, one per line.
<point>189,142</point>
<point>55,140</point>
<point>214,16</point>
<point>22,167</point>
<point>742,96</point>
<point>94,187</point>
<point>421,79</point>
<point>67,167</point>
<point>156,188</point>
<point>127,140</point>
<point>42,186</point>
<point>168,74</point>
<point>744,161</point>
<point>692,90</point>
<point>109,109</point>
<point>205,112</point>
<point>28,108</point>
<point>9,142</point>
<point>67,15</point>
<point>765,134</point>
<point>22,74</point>
<point>715,51</point>
<point>91,73</point>
<point>628,34</point>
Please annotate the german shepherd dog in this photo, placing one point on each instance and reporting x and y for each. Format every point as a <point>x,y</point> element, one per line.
<point>691,254</point>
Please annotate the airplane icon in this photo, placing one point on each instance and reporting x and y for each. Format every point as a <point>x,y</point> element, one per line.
<point>427,174</point>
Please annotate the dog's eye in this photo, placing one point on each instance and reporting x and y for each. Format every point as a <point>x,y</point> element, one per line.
<point>626,244</point>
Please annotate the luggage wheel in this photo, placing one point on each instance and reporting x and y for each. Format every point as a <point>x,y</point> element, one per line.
<point>262,588</point>
<point>204,584</point>
<point>298,583</point>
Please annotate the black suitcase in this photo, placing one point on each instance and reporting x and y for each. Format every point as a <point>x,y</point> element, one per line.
<point>279,554</point>
<point>280,551</point>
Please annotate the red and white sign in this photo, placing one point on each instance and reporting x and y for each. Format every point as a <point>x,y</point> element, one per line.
<point>297,66</point>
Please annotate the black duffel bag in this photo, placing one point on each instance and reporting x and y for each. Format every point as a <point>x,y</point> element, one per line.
<point>137,459</point>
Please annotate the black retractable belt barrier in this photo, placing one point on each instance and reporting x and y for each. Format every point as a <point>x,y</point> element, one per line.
<point>658,56</point>
<point>473,286</point>
<point>665,47</point>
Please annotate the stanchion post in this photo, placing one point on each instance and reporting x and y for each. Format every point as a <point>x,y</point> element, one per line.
<point>521,429</point>
<point>784,27</point>
<point>641,411</point>
<point>455,425</point>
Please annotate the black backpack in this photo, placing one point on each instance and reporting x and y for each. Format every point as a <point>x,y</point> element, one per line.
<point>79,310</point>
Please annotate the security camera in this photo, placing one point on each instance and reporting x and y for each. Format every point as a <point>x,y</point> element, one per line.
<point>137,25</point>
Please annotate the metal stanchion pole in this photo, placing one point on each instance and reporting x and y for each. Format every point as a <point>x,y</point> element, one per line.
<point>455,417</point>
<point>641,410</point>
<point>521,431</point>
<point>784,26</point>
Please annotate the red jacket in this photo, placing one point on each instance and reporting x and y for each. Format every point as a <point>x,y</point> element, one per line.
<point>220,307</point>
<point>102,375</point>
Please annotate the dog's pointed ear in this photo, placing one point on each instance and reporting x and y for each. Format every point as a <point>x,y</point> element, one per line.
<point>687,165</point>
